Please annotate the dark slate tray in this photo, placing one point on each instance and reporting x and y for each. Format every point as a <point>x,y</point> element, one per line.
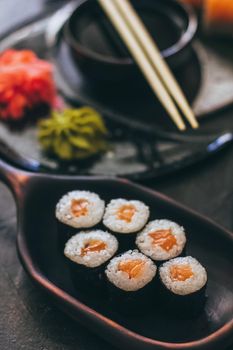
<point>141,147</point>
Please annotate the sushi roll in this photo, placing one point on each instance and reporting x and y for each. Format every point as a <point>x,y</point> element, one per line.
<point>183,284</point>
<point>130,279</point>
<point>218,16</point>
<point>77,209</point>
<point>124,218</point>
<point>161,240</point>
<point>87,254</point>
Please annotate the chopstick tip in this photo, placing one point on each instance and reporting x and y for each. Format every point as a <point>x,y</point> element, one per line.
<point>195,125</point>
<point>182,127</point>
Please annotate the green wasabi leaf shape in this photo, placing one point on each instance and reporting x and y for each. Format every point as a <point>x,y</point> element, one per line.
<point>73,134</point>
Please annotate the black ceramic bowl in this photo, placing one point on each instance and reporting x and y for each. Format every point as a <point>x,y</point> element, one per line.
<point>100,53</point>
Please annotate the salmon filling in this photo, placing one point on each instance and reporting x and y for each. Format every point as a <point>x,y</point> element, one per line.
<point>180,272</point>
<point>132,267</point>
<point>126,212</point>
<point>93,245</point>
<point>79,207</point>
<point>163,238</point>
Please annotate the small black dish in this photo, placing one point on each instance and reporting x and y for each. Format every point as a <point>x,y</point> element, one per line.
<point>101,54</point>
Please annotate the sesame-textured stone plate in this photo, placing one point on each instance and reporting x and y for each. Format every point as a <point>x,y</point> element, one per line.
<point>138,150</point>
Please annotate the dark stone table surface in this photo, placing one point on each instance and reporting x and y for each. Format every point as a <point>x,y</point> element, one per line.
<point>27,319</point>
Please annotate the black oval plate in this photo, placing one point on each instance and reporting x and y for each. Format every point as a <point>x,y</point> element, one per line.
<point>36,197</point>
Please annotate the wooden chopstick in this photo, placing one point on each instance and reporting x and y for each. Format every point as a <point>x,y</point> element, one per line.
<point>142,61</point>
<point>153,53</point>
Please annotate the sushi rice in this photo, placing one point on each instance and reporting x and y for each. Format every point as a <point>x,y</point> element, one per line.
<point>194,283</point>
<point>166,247</point>
<point>126,216</point>
<point>80,242</point>
<point>122,280</point>
<point>80,209</point>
